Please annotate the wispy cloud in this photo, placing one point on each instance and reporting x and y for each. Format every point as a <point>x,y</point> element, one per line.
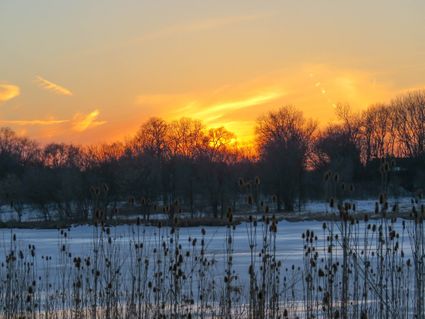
<point>313,88</point>
<point>201,25</point>
<point>33,122</point>
<point>56,128</point>
<point>215,111</point>
<point>182,28</point>
<point>236,106</point>
<point>48,85</point>
<point>8,92</point>
<point>82,122</point>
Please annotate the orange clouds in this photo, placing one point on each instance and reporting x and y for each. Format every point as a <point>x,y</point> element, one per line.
<point>51,129</point>
<point>214,110</point>
<point>79,123</point>
<point>50,86</point>
<point>211,113</point>
<point>82,122</point>
<point>8,92</point>
<point>33,122</point>
<point>313,88</point>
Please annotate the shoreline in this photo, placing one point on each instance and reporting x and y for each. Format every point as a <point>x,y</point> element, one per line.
<point>207,221</point>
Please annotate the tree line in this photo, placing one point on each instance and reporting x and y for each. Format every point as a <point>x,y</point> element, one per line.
<point>205,170</point>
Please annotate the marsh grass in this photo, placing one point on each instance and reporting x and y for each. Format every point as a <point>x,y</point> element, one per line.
<point>352,268</point>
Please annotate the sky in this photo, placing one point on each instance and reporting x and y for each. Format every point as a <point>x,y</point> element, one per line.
<point>86,71</point>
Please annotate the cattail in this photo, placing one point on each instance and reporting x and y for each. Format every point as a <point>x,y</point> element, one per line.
<point>327,175</point>
<point>336,177</point>
<point>249,200</point>
<point>229,215</point>
<point>386,167</point>
<point>381,198</point>
<point>257,180</point>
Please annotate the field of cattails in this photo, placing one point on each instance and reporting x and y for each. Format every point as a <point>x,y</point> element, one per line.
<point>351,266</point>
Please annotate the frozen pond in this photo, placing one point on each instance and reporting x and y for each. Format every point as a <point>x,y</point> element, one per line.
<point>289,244</point>
<point>134,260</point>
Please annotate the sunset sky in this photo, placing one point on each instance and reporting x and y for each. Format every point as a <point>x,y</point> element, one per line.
<point>92,71</point>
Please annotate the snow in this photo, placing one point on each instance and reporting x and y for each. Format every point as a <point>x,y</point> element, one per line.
<point>81,241</point>
<point>362,205</point>
<point>289,243</point>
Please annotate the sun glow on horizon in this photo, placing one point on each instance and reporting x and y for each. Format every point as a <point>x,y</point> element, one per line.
<point>213,112</point>
<point>316,92</point>
<point>223,64</point>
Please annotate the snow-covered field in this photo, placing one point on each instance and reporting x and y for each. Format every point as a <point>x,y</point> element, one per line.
<point>61,266</point>
<point>289,244</point>
<point>80,240</point>
<point>362,205</point>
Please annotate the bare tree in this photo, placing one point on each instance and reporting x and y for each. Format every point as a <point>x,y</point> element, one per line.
<point>378,136</point>
<point>219,154</point>
<point>410,123</point>
<point>61,155</point>
<point>187,138</point>
<point>336,149</point>
<point>95,155</point>
<point>284,142</point>
<point>152,138</point>
<point>219,144</point>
